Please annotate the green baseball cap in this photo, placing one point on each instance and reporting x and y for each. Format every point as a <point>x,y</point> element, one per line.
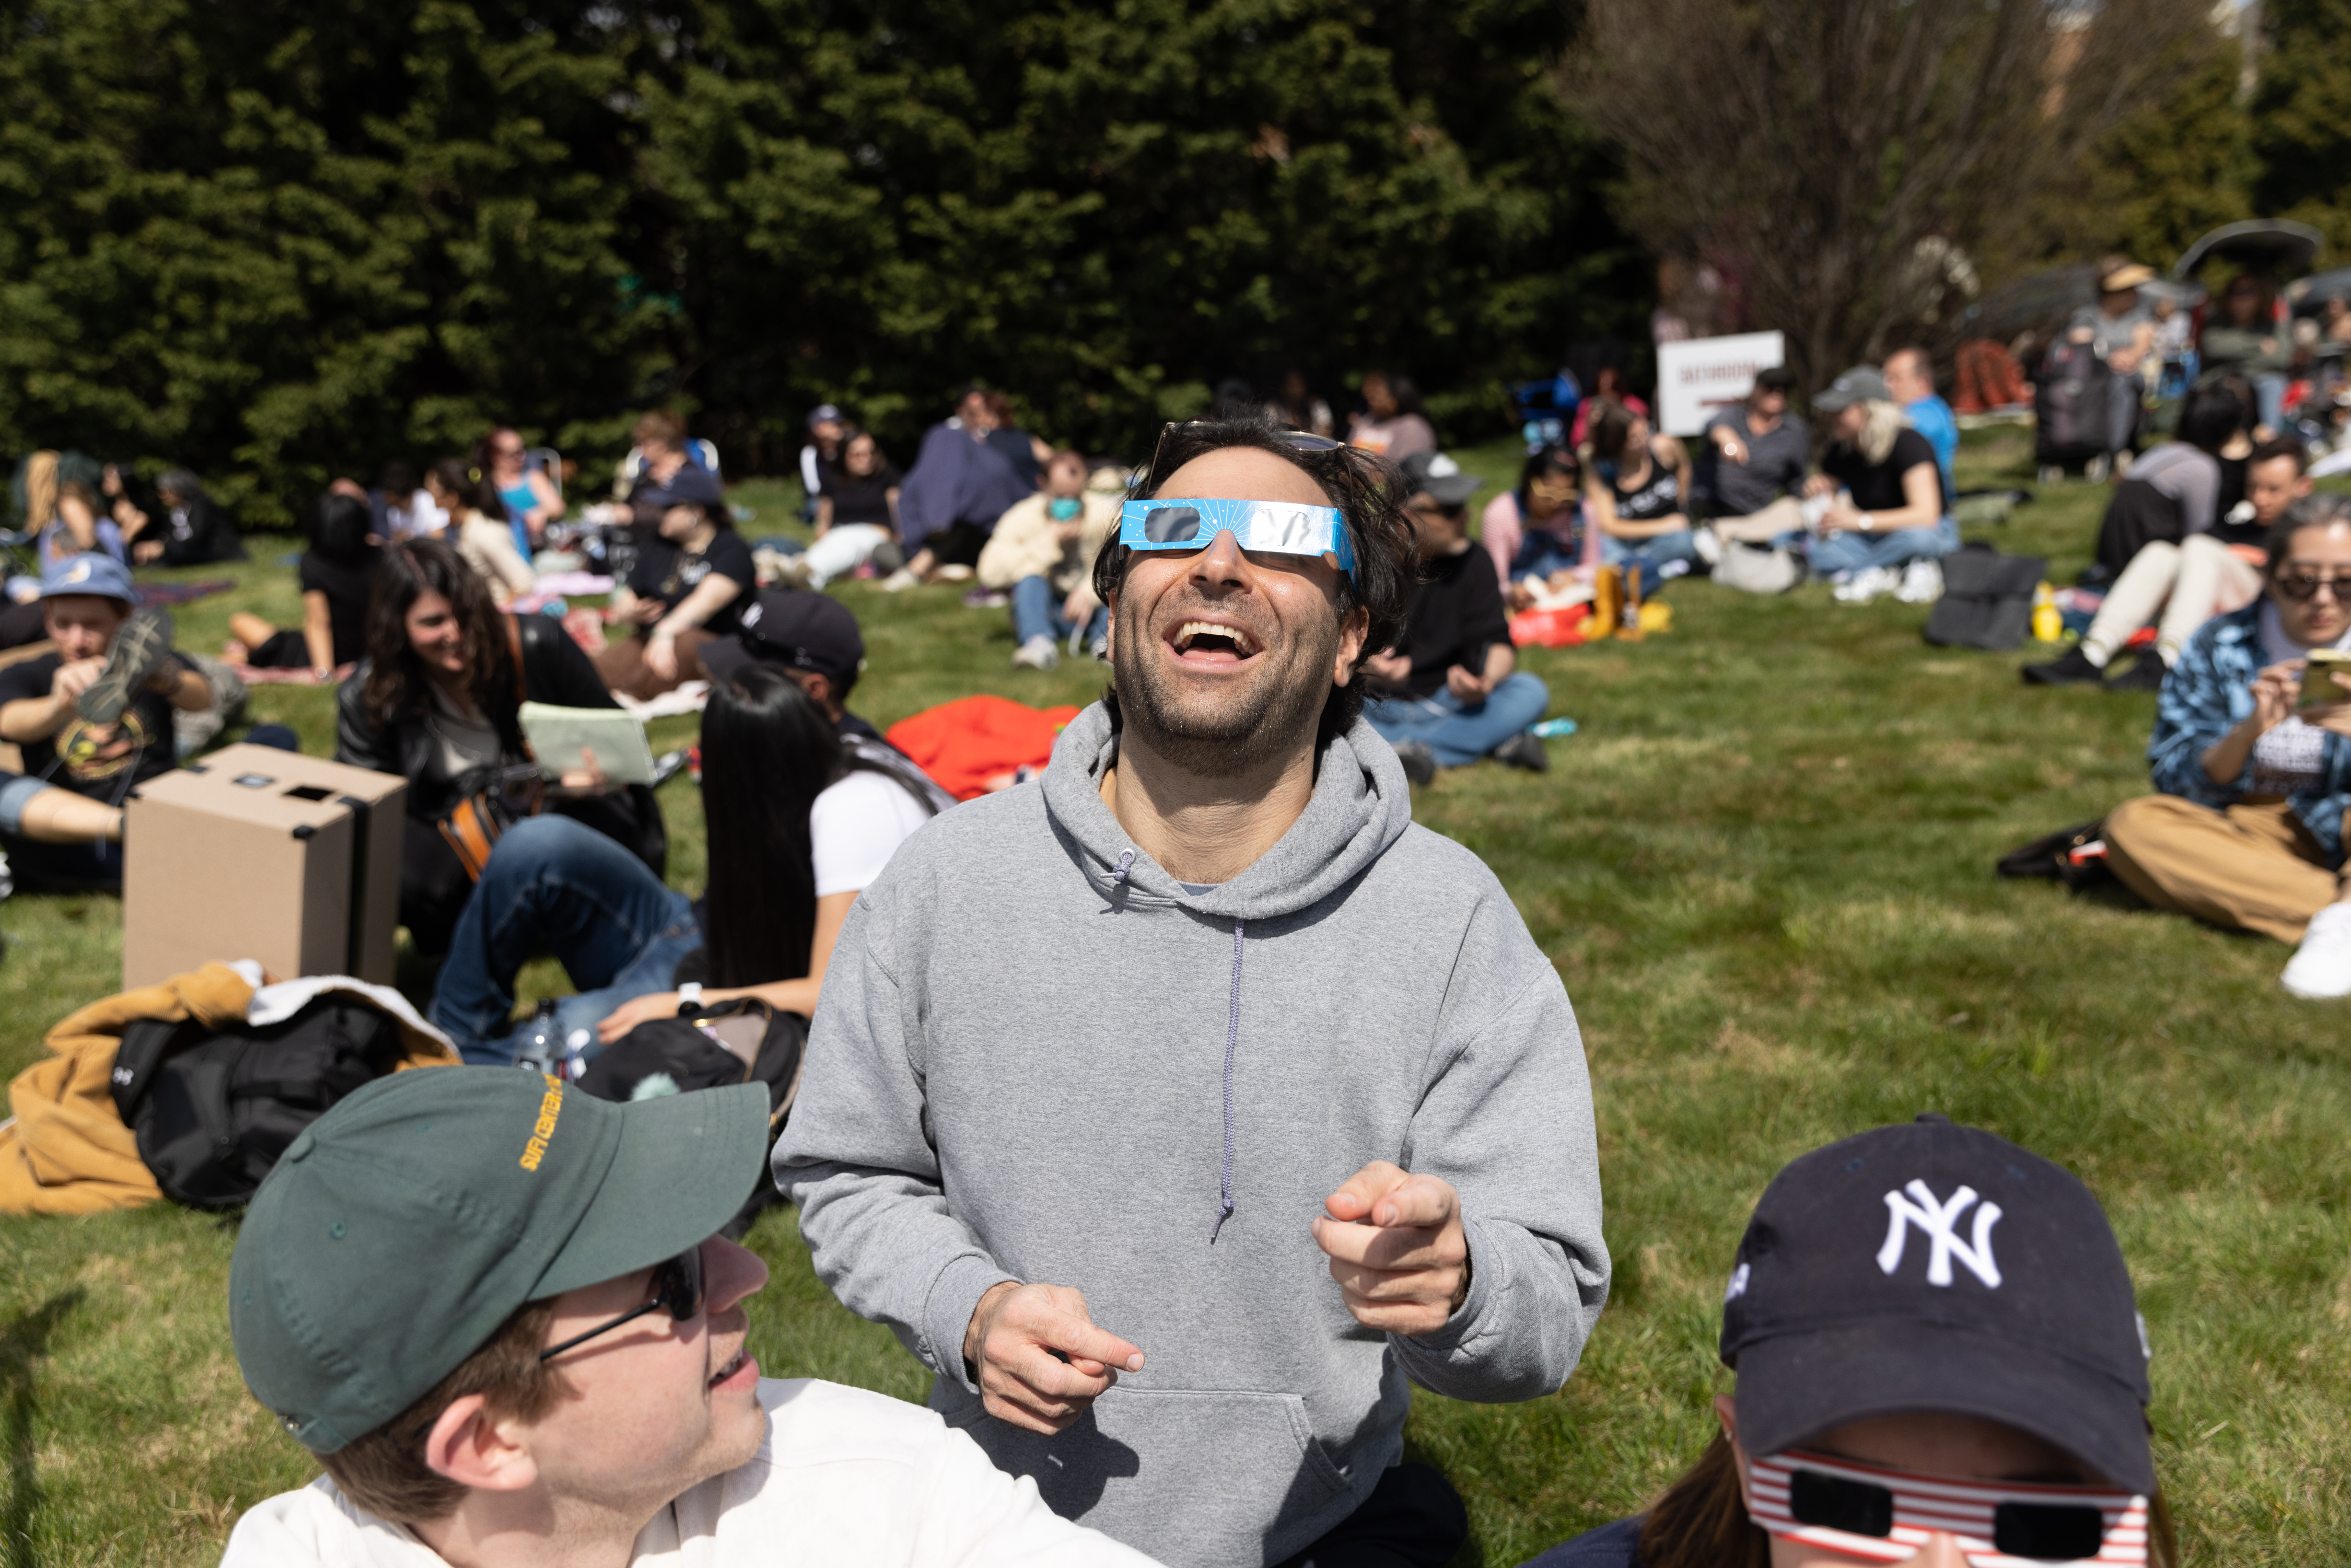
<point>402,1227</point>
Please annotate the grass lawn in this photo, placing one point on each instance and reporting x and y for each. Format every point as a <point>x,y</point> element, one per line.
<point>1764,868</point>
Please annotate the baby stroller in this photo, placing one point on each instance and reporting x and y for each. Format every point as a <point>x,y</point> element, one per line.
<point>1544,410</point>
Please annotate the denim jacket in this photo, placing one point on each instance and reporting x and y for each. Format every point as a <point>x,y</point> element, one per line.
<point>2207,695</point>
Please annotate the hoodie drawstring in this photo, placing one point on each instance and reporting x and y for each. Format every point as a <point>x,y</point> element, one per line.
<point>1232,1036</point>
<point>1126,865</point>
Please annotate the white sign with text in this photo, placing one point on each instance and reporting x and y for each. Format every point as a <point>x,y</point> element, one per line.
<point>1697,377</point>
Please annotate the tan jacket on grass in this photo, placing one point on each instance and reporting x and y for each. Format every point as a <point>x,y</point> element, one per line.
<point>1024,544</point>
<point>64,1149</point>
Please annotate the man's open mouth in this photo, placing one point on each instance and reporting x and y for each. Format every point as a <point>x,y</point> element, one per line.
<point>733,1364</point>
<point>1213,643</point>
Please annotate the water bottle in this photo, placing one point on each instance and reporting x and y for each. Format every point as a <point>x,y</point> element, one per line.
<point>2048,624</point>
<point>540,1042</point>
<point>1553,728</point>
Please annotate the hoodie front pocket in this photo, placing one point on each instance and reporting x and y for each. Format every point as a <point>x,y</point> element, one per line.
<point>1187,1475</point>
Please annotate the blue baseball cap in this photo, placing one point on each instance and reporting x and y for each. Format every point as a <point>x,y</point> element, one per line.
<point>102,575</point>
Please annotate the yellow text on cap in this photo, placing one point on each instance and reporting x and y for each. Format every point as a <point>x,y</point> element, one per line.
<point>544,1128</point>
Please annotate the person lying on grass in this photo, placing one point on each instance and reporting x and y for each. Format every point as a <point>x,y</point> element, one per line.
<point>1204,1034</point>
<point>1939,1363</point>
<point>501,1314</point>
<point>336,574</point>
<point>2252,756</point>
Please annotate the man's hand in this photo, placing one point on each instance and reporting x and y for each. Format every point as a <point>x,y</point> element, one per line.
<point>1397,1249</point>
<point>661,656</point>
<point>1391,667</point>
<point>1470,689</point>
<point>1726,442</point>
<point>1040,1359</point>
<point>147,552</point>
<point>73,679</point>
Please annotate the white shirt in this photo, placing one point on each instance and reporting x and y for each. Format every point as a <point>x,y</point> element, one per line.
<point>844,1477</point>
<point>855,826</point>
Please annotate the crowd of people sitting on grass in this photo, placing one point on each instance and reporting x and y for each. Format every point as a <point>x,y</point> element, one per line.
<point>1163,1320</point>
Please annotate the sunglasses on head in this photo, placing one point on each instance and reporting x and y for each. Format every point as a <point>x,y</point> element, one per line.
<point>1887,1516</point>
<point>676,1285</point>
<point>2299,586</point>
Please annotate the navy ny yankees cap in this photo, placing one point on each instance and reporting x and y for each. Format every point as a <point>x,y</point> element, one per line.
<point>1934,1268</point>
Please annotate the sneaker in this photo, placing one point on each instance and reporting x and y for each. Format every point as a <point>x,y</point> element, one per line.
<point>2096,470</point>
<point>140,648</point>
<point>1419,762</point>
<point>2146,674</point>
<point>1709,547</point>
<point>2052,474</point>
<point>2321,966</point>
<point>2071,668</point>
<point>1868,583</point>
<point>899,581</point>
<point>953,574</point>
<point>1922,582</point>
<point>1525,751</point>
<point>1040,652</point>
<point>986,599</point>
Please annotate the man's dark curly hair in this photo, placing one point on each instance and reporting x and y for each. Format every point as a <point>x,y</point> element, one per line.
<point>1369,492</point>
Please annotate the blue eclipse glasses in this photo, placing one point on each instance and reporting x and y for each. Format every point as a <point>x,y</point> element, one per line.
<point>1279,527</point>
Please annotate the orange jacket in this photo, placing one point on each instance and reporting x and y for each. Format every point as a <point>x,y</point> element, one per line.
<point>64,1149</point>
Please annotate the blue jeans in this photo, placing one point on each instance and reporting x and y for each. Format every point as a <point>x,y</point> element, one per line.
<point>1037,613</point>
<point>1852,552</point>
<point>555,883</point>
<point>1457,734</point>
<point>1649,554</point>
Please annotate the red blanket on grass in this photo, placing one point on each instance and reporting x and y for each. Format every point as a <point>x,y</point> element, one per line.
<point>975,746</point>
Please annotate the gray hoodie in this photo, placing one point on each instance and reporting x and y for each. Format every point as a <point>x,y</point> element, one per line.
<point>1037,1058</point>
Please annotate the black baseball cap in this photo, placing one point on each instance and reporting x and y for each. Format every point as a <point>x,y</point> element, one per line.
<point>1929,1268</point>
<point>1775,378</point>
<point>1439,477</point>
<point>692,486</point>
<point>794,628</point>
<point>400,1229</point>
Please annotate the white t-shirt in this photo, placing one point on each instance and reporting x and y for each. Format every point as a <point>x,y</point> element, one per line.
<point>844,1477</point>
<point>855,826</point>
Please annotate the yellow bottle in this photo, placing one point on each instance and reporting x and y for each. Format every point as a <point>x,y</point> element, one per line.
<point>2048,625</point>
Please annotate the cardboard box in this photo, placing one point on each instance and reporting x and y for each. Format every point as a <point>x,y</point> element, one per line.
<point>259,854</point>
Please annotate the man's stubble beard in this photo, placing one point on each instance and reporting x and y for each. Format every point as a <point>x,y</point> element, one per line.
<point>1264,719</point>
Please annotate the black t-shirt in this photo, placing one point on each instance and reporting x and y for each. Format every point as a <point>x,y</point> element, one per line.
<point>666,572</point>
<point>1658,496</point>
<point>345,583</point>
<point>72,759</point>
<point>1453,619</point>
<point>1877,487</point>
<point>856,500</point>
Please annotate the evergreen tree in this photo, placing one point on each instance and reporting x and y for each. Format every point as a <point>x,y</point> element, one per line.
<point>2301,116</point>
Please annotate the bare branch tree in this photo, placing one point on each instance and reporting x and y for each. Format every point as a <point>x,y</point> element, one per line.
<point>1832,156</point>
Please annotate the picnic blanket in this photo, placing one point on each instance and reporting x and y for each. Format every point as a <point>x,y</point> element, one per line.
<point>184,593</point>
<point>976,745</point>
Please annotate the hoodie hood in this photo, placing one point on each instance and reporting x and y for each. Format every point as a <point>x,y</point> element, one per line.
<point>1361,804</point>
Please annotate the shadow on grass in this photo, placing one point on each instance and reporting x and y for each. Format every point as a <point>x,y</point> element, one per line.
<point>23,1342</point>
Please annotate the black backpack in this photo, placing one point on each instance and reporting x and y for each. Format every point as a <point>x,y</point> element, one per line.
<point>739,1042</point>
<point>213,1108</point>
<point>1987,599</point>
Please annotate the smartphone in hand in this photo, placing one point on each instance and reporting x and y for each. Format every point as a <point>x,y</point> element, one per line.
<point>2319,685</point>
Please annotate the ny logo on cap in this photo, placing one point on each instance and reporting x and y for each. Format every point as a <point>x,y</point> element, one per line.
<point>1936,1218</point>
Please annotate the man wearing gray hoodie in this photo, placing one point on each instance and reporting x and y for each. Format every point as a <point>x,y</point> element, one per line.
<point>1204,1050</point>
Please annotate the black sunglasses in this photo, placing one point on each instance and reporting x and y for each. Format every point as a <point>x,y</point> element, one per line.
<point>1296,440</point>
<point>2306,585</point>
<point>2042,1532</point>
<point>676,1284</point>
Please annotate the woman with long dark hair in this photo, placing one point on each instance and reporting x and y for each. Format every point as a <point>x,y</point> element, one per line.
<point>1638,495</point>
<point>1939,1362</point>
<point>1539,529</point>
<point>800,821</point>
<point>437,700</point>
